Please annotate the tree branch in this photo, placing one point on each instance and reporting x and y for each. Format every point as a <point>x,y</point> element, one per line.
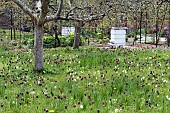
<point>25,9</point>
<point>92,18</point>
<point>44,11</point>
<point>60,8</point>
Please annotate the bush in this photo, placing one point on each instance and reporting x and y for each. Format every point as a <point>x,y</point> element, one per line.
<point>49,41</point>
<point>143,31</point>
<point>131,34</point>
<point>68,40</point>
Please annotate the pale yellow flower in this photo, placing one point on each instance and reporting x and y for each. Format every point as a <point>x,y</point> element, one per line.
<point>72,33</point>
<point>51,111</point>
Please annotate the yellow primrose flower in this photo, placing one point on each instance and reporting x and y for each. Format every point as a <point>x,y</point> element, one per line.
<point>99,33</point>
<point>142,99</point>
<point>72,33</point>
<point>141,111</point>
<point>51,111</point>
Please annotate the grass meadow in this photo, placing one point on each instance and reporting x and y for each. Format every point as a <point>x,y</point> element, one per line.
<point>88,80</point>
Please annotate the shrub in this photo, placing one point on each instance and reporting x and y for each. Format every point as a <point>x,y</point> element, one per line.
<point>49,41</point>
<point>131,34</point>
<point>143,31</point>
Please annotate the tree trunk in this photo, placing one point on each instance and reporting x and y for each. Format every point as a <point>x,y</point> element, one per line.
<point>14,33</point>
<point>11,24</point>
<point>140,26</point>
<point>77,37</point>
<point>58,40</point>
<point>146,25</point>
<point>56,36</point>
<point>157,30</point>
<point>38,48</point>
<point>168,40</point>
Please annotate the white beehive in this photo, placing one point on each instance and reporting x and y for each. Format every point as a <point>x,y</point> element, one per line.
<point>66,31</point>
<point>118,36</point>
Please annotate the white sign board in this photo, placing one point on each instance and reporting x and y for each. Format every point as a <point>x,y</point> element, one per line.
<point>66,30</point>
<point>118,36</point>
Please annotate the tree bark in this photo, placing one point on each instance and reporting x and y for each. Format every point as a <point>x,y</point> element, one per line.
<point>14,32</point>
<point>157,30</point>
<point>141,25</point>
<point>77,37</point>
<point>58,40</point>
<point>11,23</point>
<point>38,48</point>
<point>168,40</point>
<point>56,30</point>
<point>146,25</point>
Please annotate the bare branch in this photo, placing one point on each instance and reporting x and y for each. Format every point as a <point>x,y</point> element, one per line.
<point>25,9</point>
<point>54,17</point>
<point>44,11</point>
<point>50,6</point>
<point>95,17</point>
<point>92,18</point>
<point>60,8</point>
<point>74,8</point>
<point>70,11</point>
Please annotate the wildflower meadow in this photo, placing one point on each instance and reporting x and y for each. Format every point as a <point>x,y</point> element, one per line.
<point>88,80</point>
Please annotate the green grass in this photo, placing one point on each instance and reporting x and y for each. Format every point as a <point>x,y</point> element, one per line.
<point>129,81</point>
<point>6,33</point>
<point>1,65</point>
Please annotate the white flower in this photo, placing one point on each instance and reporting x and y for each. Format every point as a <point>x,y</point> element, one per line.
<point>124,71</point>
<point>33,92</point>
<point>167,97</point>
<point>39,82</point>
<point>142,78</point>
<point>117,110</point>
<point>114,100</point>
<point>81,106</point>
<point>89,83</point>
<point>164,80</point>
